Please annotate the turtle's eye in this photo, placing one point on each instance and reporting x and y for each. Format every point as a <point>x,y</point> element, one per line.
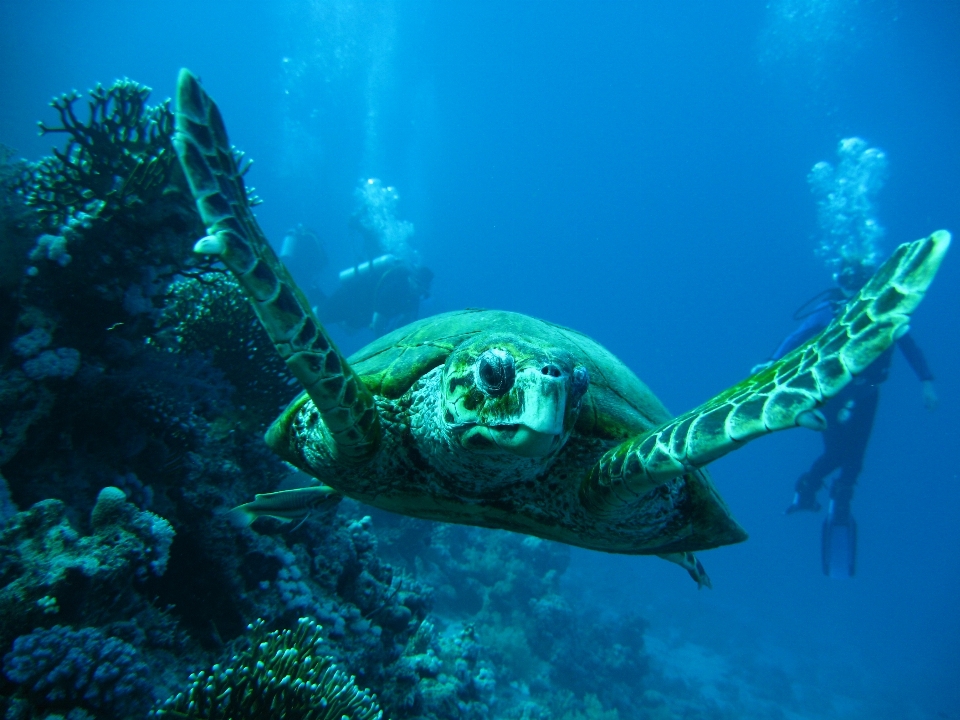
<point>581,379</point>
<point>496,372</point>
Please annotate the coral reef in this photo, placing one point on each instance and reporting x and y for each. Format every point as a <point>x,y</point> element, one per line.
<point>94,242</point>
<point>135,385</point>
<point>504,590</point>
<point>7,507</point>
<point>209,314</point>
<point>17,227</point>
<point>281,675</point>
<point>47,569</point>
<point>63,669</point>
<point>330,569</point>
<point>443,675</point>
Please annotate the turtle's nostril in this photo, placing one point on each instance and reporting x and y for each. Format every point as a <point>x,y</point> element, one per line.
<point>551,370</point>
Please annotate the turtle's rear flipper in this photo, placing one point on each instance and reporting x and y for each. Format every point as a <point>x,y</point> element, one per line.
<point>688,561</point>
<point>786,394</point>
<point>210,164</point>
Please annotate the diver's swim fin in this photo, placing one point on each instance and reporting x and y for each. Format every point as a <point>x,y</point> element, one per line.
<point>839,548</point>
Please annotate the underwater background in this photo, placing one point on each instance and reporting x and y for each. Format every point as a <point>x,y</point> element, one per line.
<point>637,171</point>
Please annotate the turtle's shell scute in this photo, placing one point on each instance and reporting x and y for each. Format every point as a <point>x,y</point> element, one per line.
<point>617,405</point>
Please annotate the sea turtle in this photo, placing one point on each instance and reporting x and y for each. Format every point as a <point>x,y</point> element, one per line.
<point>500,420</point>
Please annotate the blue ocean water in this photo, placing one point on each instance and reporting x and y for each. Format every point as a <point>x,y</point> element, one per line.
<point>636,171</point>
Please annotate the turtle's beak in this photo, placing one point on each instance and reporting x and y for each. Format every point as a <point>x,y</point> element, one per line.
<point>524,441</point>
<point>514,439</point>
<point>544,402</point>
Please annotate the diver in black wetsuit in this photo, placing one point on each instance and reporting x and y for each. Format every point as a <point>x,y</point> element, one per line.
<point>382,294</point>
<point>850,417</point>
<point>383,291</point>
<point>305,256</point>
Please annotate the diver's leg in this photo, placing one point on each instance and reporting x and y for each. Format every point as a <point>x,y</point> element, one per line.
<point>853,445</point>
<point>839,539</point>
<point>833,457</point>
<point>810,483</point>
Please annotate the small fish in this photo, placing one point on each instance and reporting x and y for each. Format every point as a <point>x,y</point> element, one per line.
<point>284,505</point>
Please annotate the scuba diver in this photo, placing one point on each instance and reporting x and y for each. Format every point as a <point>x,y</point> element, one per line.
<point>382,294</point>
<point>384,290</point>
<point>850,416</point>
<point>304,253</point>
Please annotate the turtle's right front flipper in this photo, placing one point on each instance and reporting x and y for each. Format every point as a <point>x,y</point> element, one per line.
<point>784,395</point>
<point>345,405</point>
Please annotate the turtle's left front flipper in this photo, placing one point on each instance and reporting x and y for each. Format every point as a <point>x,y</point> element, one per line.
<point>784,395</point>
<point>345,405</point>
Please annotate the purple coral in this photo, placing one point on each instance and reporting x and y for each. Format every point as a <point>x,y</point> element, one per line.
<point>59,667</point>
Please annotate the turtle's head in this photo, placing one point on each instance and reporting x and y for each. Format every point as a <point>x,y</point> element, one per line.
<point>504,395</point>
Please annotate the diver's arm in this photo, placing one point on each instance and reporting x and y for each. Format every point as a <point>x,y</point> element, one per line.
<point>915,357</point>
<point>814,324</point>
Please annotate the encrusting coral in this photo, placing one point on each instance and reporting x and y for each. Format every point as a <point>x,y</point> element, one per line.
<point>48,569</point>
<point>283,675</point>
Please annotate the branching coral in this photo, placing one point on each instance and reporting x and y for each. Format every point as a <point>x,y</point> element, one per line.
<point>121,154</point>
<point>208,314</point>
<point>111,207</point>
<point>282,675</point>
